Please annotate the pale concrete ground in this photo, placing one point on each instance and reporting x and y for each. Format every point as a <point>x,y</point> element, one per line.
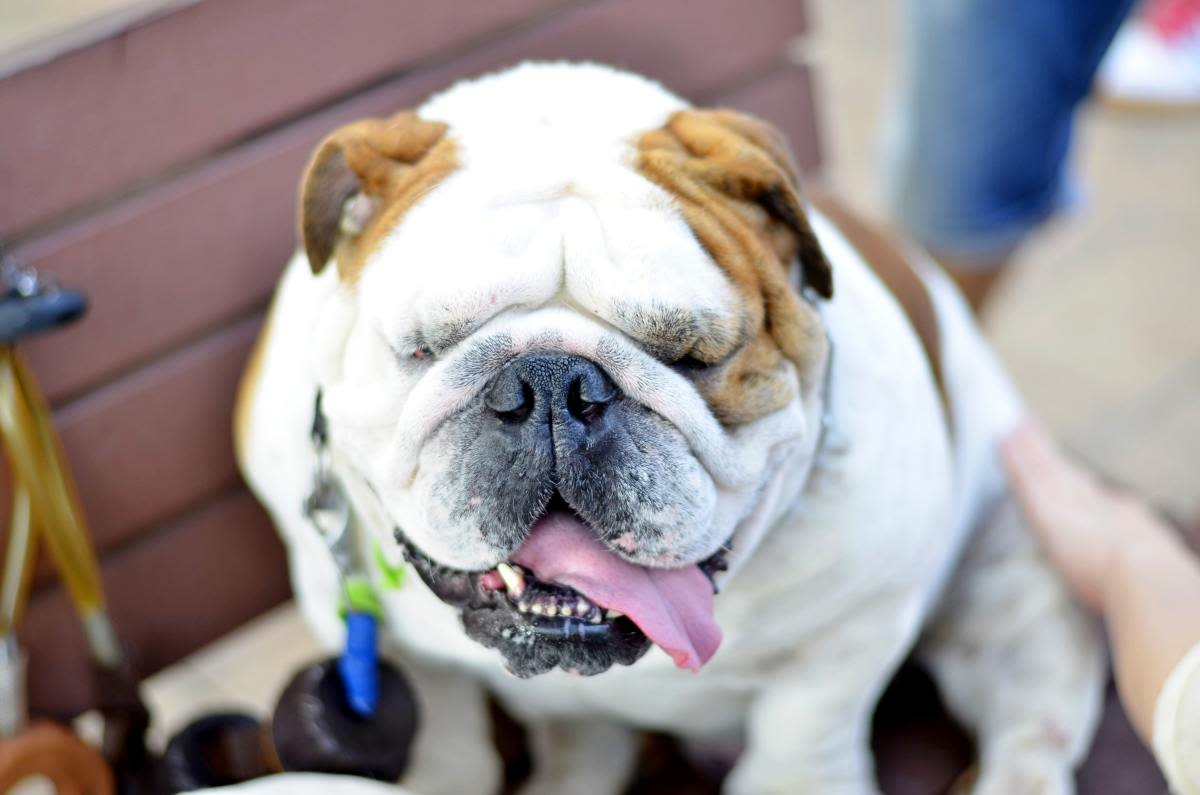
<point>1098,322</point>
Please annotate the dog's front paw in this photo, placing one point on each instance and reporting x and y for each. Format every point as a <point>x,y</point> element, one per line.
<point>559,784</point>
<point>581,757</point>
<point>1026,772</point>
<point>800,777</point>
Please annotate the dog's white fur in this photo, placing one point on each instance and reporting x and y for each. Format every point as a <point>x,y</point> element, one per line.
<point>846,553</point>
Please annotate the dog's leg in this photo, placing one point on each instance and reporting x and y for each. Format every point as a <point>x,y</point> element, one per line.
<point>806,739</point>
<point>592,756</point>
<point>808,728</point>
<point>1017,661</point>
<point>454,753</point>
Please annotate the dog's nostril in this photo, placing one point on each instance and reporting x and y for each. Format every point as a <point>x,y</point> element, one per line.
<point>510,397</point>
<point>518,406</point>
<point>593,386</point>
<point>547,390</point>
<point>588,412</point>
<point>588,397</point>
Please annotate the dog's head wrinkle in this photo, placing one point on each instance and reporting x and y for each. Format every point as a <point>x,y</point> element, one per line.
<point>735,185</point>
<point>362,179</point>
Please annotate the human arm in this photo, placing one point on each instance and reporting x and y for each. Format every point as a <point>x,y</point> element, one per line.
<point>1119,558</point>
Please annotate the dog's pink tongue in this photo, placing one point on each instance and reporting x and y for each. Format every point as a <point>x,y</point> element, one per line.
<point>674,607</point>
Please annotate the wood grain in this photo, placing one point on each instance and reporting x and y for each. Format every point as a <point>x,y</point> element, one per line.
<point>204,77</point>
<point>169,594</point>
<point>207,246</point>
<point>177,147</point>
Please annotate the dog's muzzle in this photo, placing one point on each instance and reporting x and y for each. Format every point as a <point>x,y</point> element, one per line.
<point>582,492</point>
<point>542,393</point>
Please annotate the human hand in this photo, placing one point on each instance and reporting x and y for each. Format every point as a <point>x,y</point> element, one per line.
<point>1119,558</point>
<point>1082,524</point>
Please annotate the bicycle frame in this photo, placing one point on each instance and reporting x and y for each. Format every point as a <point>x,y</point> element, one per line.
<point>45,506</point>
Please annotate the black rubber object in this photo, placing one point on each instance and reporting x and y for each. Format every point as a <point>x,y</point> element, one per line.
<point>315,730</point>
<point>214,751</point>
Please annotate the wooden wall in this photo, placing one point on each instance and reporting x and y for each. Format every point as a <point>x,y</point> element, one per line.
<point>157,171</point>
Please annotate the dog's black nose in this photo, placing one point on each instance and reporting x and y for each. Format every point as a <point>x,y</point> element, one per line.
<point>551,389</point>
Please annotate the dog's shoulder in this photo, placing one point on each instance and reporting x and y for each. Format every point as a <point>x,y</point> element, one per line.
<point>274,403</point>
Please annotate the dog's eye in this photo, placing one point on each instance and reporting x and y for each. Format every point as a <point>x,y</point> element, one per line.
<point>412,350</point>
<point>690,363</point>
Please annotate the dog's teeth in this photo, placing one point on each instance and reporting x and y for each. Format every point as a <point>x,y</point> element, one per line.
<point>594,617</point>
<point>552,610</point>
<point>537,608</point>
<point>513,580</point>
<point>611,614</point>
<point>583,607</point>
<point>523,606</point>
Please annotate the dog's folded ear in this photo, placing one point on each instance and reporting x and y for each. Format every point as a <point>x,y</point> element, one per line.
<point>703,154</point>
<point>363,176</point>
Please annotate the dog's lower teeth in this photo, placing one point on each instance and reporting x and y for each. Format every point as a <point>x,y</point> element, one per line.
<point>550,600</point>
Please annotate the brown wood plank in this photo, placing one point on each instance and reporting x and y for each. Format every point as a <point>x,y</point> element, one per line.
<point>184,257</point>
<point>170,265</point>
<point>154,445</point>
<point>193,81</point>
<point>42,32</point>
<point>169,594</point>
<point>149,446</point>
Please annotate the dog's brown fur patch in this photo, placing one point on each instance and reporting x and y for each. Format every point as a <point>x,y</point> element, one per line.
<point>243,402</point>
<point>888,258</point>
<point>736,187</point>
<point>392,162</point>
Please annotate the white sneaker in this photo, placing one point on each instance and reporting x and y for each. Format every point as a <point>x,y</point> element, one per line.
<point>1154,63</point>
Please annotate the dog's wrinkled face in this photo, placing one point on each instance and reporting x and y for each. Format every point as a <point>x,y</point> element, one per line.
<point>565,356</point>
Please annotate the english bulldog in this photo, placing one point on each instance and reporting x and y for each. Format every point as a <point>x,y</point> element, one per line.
<point>661,446</point>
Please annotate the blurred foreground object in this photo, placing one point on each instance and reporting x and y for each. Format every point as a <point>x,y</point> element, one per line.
<point>1154,64</point>
<point>45,507</point>
<point>47,749</point>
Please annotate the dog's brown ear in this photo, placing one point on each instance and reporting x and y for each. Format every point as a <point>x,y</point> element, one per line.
<point>362,174</point>
<point>745,160</point>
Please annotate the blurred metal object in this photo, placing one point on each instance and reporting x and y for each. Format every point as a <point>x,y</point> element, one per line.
<point>32,302</point>
<point>328,508</point>
<point>46,507</point>
<point>13,712</point>
<point>42,482</point>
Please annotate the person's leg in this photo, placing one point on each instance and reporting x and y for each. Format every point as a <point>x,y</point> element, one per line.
<point>977,152</point>
<point>974,275</point>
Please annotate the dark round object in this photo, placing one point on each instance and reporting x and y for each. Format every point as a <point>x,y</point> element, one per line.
<point>214,751</point>
<point>315,730</point>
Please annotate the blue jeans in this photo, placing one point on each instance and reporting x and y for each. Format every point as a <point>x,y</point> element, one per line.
<point>977,153</point>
